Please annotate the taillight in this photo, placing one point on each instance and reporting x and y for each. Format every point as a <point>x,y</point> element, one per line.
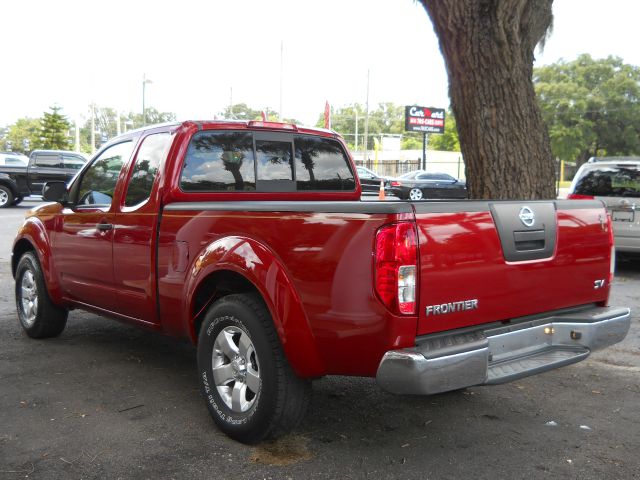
<point>612,245</point>
<point>579,196</point>
<point>395,184</point>
<point>396,267</point>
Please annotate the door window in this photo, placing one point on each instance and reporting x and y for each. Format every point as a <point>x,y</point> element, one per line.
<point>73,162</point>
<point>48,160</point>
<point>151,154</point>
<point>99,180</point>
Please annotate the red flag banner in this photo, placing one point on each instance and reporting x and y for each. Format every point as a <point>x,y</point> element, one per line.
<point>327,115</point>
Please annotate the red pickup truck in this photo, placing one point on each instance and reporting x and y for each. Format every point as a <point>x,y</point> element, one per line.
<point>250,239</point>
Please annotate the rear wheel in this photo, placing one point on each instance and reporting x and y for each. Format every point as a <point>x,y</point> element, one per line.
<point>251,391</point>
<point>39,317</point>
<point>415,194</point>
<point>6,197</point>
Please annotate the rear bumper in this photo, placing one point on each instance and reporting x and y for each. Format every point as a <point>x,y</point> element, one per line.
<point>493,355</point>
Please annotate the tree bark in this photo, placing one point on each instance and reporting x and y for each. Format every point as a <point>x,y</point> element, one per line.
<point>488,49</point>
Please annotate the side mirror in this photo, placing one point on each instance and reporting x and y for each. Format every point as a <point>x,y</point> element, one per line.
<point>55,191</point>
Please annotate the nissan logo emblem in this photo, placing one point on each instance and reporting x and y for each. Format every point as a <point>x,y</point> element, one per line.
<point>527,217</point>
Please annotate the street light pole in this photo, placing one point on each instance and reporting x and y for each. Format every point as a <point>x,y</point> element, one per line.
<point>144,109</point>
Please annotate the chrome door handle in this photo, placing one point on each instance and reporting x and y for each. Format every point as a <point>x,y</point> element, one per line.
<point>104,227</point>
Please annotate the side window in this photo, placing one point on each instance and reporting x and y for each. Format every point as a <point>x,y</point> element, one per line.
<point>151,154</point>
<point>321,164</point>
<point>219,161</point>
<point>48,160</point>
<point>99,180</point>
<point>72,162</point>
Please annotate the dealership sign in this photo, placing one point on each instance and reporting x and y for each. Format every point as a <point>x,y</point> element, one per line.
<point>424,119</point>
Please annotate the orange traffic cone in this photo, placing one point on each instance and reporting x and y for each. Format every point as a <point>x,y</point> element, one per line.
<point>381,195</point>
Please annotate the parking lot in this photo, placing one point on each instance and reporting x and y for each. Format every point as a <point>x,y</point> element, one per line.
<point>106,400</point>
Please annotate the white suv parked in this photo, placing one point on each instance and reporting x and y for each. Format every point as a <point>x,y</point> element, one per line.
<point>615,181</point>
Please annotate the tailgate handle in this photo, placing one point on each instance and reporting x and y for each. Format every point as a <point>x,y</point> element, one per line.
<point>529,240</point>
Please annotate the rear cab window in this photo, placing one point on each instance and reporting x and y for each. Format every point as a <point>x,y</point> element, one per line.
<point>233,161</point>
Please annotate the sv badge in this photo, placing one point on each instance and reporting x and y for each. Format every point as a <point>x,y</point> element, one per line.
<point>599,284</point>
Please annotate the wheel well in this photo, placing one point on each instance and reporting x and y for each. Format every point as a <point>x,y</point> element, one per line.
<point>10,186</point>
<point>214,287</point>
<point>20,249</point>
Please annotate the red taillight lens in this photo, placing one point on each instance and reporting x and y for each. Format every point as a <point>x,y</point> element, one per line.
<point>578,196</point>
<point>396,267</point>
<point>612,245</point>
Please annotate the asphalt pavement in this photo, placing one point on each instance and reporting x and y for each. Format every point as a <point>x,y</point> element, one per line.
<point>106,400</point>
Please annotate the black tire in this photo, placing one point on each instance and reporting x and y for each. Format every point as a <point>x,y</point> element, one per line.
<point>38,316</point>
<point>6,197</point>
<point>281,399</point>
<point>17,201</point>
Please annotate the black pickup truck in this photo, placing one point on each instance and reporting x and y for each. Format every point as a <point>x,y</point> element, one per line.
<point>17,182</point>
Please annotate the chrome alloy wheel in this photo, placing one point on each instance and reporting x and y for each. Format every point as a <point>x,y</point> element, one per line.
<point>235,369</point>
<point>4,198</point>
<point>415,194</point>
<point>29,298</point>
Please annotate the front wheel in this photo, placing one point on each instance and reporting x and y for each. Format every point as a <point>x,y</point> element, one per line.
<point>251,391</point>
<point>415,194</point>
<point>39,317</point>
<point>6,197</point>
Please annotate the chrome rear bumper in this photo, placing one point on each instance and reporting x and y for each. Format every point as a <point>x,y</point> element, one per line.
<point>453,360</point>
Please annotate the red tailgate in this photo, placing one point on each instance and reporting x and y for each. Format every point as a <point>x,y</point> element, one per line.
<point>483,262</point>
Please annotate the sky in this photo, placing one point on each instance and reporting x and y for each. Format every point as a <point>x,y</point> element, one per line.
<point>202,55</point>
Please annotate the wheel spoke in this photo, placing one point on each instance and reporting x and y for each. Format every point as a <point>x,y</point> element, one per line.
<point>237,396</point>
<point>253,380</point>
<point>223,374</point>
<point>245,346</point>
<point>225,341</point>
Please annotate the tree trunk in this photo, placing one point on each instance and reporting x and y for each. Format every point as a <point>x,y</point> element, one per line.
<point>488,49</point>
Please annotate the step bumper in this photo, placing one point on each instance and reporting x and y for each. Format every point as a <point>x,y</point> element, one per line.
<point>499,354</point>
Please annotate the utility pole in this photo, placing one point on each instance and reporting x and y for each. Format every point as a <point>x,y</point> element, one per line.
<point>355,147</point>
<point>77,135</point>
<point>281,76</point>
<point>144,110</point>
<point>93,128</point>
<point>365,142</point>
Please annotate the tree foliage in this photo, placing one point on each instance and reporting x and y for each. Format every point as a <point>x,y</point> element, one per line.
<point>591,107</point>
<point>106,123</point>
<point>23,129</point>
<point>488,48</point>
<point>241,111</point>
<point>447,141</point>
<point>54,132</point>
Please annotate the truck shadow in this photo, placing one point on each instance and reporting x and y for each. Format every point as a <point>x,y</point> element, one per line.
<point>627,263</point>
